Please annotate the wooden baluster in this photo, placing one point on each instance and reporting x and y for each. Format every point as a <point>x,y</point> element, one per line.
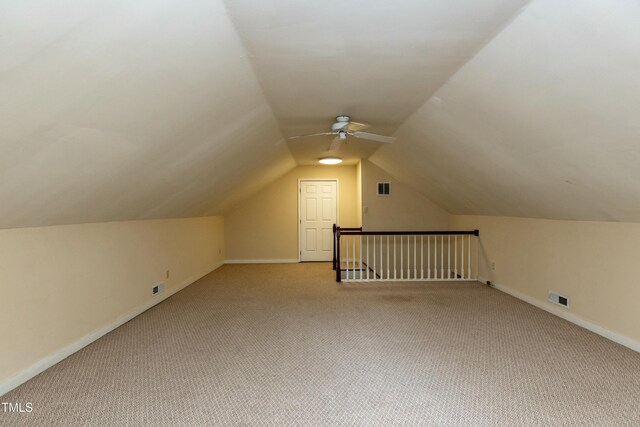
<point>428,257</point>
<point>388,267</point>
<point>442,257</point>
<point>401,260</point>
<point>395,276</point>
<point>469,257</point>
<point>360,253</point>
<point>462,257</point>
<point>367,257</point>
<point>415,258</point>
<point>455,257</point>
<point>422,257</point>
<point>346,241</point>
<point>408,257</point>
<point>449,257</point>
<point>353,246</point>
<point>374,257</point>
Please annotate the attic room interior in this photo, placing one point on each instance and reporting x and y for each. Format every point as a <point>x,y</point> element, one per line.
<point>174,252</point>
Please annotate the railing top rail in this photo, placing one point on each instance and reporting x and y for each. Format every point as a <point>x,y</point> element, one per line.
<point>405,233</point>
<point>350,228</point>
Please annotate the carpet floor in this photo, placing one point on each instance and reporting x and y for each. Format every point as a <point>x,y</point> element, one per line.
<point>285,345</point>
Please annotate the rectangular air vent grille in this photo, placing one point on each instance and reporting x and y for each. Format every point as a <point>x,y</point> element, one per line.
<point>559,299</point>
<point>384,188</point>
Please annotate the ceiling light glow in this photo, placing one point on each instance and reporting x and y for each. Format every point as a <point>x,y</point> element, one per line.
<point>330,160</point>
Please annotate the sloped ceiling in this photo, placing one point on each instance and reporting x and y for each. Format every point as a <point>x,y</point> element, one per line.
<point>543,122</point>
<point>125,110</point>
<point>375,60</point>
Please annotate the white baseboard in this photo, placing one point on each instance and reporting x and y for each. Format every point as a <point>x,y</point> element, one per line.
<point>570,317</point>
<point>262,261</point>
<point>50,360</point>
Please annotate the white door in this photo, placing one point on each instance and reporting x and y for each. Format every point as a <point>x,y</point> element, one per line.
<point>318,213</point>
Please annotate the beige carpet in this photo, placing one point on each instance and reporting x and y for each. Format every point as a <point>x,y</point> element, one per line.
<point>284,345</point>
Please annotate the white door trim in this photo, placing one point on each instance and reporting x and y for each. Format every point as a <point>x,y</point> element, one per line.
<point>300,181</point>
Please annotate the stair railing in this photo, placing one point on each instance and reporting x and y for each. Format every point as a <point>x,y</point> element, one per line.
<point>367,256</point>
<point>335,236</point>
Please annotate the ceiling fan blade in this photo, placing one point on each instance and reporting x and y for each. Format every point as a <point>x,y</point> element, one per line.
<point>311,134</point>
<point>355,126</point>
<point>335,144</point>
<point>374,137</point>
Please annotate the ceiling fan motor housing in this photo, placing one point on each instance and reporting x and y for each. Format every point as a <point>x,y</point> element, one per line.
<point>339,126</point>
<point>341,123</point>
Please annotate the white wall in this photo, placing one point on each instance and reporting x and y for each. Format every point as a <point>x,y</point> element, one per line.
<point>64,286</point>
<point>595,264</point>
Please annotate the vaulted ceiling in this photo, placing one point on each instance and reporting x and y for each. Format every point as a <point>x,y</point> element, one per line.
<point>543,122</point>
<point>374,60</point>
<point>131,110</point>
<point>128,110</point>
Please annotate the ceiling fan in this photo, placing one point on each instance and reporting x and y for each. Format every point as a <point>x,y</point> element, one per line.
<point>344,127</point>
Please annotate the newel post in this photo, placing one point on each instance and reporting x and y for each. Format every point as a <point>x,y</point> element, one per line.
<point>334,246</point>
<point>337,257</point>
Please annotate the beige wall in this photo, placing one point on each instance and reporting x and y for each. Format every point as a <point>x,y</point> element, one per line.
<point>62,283</point>
<point>405,209</point>
<point>595,264</point>
<point>359,194</point>
<point>265,226</point>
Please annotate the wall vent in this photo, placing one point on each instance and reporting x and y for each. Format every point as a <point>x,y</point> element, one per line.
<point>559,299</point>
<point>384,188</point>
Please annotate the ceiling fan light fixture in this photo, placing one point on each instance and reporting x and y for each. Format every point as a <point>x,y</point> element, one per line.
<point>330,160</point>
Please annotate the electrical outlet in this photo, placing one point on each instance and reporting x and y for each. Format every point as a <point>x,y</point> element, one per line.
<point>157,289</point>
<point>219,250</point>
<point>167,274</point>
<point>493,266</point>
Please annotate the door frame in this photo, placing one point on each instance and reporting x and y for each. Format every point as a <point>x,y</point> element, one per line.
<point>300,181</point>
